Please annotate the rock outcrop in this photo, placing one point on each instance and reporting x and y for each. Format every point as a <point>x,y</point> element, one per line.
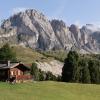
<point>53,66</point>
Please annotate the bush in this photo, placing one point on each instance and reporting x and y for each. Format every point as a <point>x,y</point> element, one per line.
<point>50,76</point>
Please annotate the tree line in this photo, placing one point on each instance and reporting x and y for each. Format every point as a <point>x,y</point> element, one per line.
<point>81,70</point>
<point>76,68</point>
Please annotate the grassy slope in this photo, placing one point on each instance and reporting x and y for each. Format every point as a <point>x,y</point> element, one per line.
<point>58,54</point>
<point>27,55</point>
<point>49,91</point>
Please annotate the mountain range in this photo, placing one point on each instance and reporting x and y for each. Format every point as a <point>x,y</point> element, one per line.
<point>33,29</point>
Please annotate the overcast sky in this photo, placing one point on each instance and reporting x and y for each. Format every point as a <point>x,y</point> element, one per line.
<point>71,11</point>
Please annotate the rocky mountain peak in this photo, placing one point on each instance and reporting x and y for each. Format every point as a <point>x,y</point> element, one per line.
<point>76,32</point>
<point>33,29</point>
<point>56,22</point>
<point>74,29</point>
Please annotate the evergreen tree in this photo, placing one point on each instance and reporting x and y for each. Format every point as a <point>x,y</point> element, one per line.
<point>70,71</point>
<point>6,53</point>
<point>85,73</point>
<point>94,67</point>
<point>35,72</point>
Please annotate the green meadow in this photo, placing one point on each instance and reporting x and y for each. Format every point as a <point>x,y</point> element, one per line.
<point>49,91</point>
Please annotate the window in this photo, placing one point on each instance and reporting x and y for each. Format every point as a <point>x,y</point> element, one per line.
<point>18,72</point>
<point>12,73</point>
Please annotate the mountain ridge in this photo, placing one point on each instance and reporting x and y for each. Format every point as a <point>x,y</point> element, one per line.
<point>33,29</point>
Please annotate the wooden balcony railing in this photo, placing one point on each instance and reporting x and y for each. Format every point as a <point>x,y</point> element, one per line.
<point>23,77</point>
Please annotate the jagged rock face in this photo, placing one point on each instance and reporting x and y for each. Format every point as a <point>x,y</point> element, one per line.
<point>84,38</point>
<point>64,36</point>
<point>88,40</point>
<point>76,32</point>
<point>8,37</point>
<point>31,28</point>
<point>96,36</point>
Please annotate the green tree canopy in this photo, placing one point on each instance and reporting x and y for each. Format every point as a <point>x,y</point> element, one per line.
<point>70,68</point>
<point>94,67</point>
<point>6,53</point>
<point>85,72</point>
<point>35,71</point>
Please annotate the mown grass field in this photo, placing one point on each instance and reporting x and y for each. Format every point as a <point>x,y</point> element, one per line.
<point>49,91</point>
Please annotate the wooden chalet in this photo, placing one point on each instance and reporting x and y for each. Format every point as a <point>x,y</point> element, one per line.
<point>15,72</point>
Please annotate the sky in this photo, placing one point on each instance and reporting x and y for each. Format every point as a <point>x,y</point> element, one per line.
<point>77,12</point>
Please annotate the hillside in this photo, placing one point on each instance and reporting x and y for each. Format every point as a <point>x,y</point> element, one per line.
<point>44,62</point>
<point>49,91</point>
<point>47,60</point>
<point>27,55</point>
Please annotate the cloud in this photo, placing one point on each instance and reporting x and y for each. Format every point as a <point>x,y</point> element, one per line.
<point>17,10</point>
<point>97,23</point>
<point>90,25</point>
<point>78,23</point>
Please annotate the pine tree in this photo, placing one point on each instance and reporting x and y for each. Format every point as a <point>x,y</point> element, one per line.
<point>86,78</point>
<point>35,72</point>
<point>94,67</point>
<point>70,71</point>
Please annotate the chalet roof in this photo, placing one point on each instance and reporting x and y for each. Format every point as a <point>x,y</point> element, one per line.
<point>12,65</point>
<point>5,66</point>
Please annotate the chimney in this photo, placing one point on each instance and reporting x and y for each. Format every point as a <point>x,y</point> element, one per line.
<point>8,63</point>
